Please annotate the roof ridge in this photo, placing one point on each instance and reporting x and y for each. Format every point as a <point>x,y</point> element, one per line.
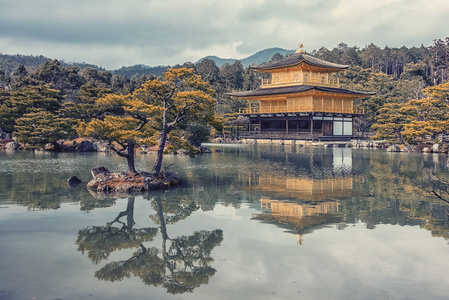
<point>297,58</point>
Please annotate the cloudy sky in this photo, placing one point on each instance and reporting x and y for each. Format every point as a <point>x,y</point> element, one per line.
<point>116,33</point>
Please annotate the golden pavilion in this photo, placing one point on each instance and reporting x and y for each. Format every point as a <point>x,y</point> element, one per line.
<point>301,99</point>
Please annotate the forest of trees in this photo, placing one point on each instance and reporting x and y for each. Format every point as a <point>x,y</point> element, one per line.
<point>46,103</point>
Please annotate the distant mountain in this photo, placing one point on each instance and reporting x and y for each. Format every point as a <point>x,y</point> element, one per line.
<point>255,59</point>
<point>81,65</point>
<point>218,61</point>
<point>264,56</point>
<point>9,63</point>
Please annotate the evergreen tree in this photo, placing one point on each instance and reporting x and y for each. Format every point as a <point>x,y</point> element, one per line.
<point>208,70</point>
<point>412,121</point>
<point>151,113</point>
<point>390,123</point>
<point>430,114</point>
<point>14,104</point>
<point>38,127</point>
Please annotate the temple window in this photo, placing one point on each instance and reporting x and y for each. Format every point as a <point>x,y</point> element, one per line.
<point>323,79</point>
<point>306,77</point>
<point>296,78</point>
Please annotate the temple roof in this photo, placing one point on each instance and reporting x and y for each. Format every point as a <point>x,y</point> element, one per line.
<point>296,59</point>
<point>296,89</point>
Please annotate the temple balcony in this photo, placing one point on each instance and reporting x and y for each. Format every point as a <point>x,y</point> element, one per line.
<point>329,82</point>
<point>292,135</point>
<point>299,109</point>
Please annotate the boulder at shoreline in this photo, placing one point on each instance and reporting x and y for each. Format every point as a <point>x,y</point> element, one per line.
<point>13,145</point>
<point>73,181</point>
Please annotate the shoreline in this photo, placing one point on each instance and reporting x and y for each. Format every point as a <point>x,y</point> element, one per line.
<point>364,144</point>
<point>86,145</point>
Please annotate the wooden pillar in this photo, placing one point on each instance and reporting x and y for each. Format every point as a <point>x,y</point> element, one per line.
<point>311,125</point>
<point>286,125</point>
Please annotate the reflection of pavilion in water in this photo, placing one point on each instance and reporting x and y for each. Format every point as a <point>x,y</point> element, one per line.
<point>303,204</point>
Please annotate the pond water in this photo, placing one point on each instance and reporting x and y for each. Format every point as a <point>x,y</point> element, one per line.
<point>249,222</point>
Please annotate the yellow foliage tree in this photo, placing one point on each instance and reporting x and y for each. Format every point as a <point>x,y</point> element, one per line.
<point>121,126</point>
<point>150,113</point>
<point>180,96</point>
<point>412,121</point>
<point>390,123</point>
<point>430,115</point>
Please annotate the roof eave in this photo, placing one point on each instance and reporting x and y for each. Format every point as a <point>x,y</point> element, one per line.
<point>253,93</point>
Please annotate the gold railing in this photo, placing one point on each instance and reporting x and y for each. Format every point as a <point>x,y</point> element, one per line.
<point>295,109</point>
<point>334,82</point>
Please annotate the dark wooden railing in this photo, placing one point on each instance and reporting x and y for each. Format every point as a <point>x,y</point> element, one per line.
<point>279,135</point>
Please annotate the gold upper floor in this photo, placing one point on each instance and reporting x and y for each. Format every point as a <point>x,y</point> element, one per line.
<point>286,77</point>
<point>301,74</point>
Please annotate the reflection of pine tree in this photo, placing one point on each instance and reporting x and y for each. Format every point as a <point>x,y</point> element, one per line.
<point>101,241</point>
<point>188,260</point>
<point>181,268</point>
<point>437,186</point>
<point>144,263</point>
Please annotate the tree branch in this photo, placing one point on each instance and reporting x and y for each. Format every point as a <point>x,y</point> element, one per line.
<point>118,151</point>
<point>180,115</point>
<point>143,123</point>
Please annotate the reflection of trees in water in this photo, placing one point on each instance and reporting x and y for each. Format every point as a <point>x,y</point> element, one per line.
<point>89,203</point>
<point>437,185</point>
<point>384,188</point>
<point>180,265</point>
<point>317,163</point>
<point>100,241</point>
<point>385,191</point>
<point>38,180</point>
<point>40,190</point>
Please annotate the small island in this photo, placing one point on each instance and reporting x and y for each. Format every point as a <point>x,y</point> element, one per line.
<point>129,183</point>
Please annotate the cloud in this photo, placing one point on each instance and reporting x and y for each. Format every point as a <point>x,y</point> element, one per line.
<point>166,32</point>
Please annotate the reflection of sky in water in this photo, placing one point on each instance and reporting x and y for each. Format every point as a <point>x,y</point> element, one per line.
<point>342,160</point>
<point>353,263</point>
<point>339,258</point>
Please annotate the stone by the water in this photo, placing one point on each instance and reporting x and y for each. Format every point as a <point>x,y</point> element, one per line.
<point>73,181</point>
<point>85,146</point>
<point>12,146</point>
<point>204,149</point>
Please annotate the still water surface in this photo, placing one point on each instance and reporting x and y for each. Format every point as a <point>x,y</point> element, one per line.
<point>251,222</point>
